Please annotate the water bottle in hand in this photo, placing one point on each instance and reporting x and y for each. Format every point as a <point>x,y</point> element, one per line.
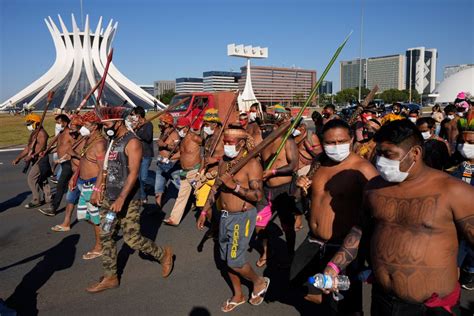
<point>325,281</point>
<point>108,222</point>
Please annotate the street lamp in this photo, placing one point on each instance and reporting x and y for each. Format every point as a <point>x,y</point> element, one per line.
<point>247,97</point>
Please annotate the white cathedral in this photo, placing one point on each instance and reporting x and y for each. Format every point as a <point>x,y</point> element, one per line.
<point>80,60</point>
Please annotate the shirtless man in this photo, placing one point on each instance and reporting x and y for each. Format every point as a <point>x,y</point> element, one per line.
<point>73,193</point>
<point>64,143</point>
<point>463,108</point>
<point>238,194</point>
<point>122,197</point>
<point>329,113</point>
<point>37,177</point>
<point>278,183</point>
<point>413,244</point>
<point>253,129</point>
<point>208,171</point>
<point>90,167</point>
<point>336,192</point>
<point>366,147</point>
<point>189,157</point>
<point>167,167</point>
<point>309,148</point>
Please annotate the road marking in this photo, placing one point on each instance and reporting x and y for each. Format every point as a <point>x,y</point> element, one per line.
<point>11,149</point>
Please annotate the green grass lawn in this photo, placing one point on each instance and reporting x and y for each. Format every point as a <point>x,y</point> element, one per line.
<point>13,131</point>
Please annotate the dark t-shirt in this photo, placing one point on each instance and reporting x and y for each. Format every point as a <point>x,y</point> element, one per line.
<point>145,133</point>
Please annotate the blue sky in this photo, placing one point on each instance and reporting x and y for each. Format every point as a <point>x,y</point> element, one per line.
<point>177,38</point>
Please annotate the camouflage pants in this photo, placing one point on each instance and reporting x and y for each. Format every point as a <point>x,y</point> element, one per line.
<point>129,220</point>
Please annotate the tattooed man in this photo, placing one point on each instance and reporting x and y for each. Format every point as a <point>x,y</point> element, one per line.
<point>414,213</point>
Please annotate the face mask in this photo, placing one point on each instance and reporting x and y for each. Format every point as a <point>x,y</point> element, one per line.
<point>296,133</point>
<point>208,130</point>
<point>30,127</point>
<point>396,112</point>
<point>467,150</point>
<point>181,133</point>
<point>412,119</point>
<point>252,116</point>
<point>337,152</point>
<point>58,128</point>
<point>110,131</point>
<point>390,169</point>
<point>231,151</point>
<point>84,131</point>
<point>451,117</point>
<point>426,135</point>
<point>460,114</point>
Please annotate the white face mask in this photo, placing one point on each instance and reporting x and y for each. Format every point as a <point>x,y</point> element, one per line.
<point>296,133</point>
<point>30,127</point>
<point>252,116</point>
<point>460,114</point>
<point>467,150</point>
<point>84,131</point>
<point>426,135</point>
<point>231,151</point>
<point>337,152</point>
<point>58,128</point>
<point>412,119</point>
<point>181,133</point>
<point>390,169</point>
<point>208,130</point>
<point>450,116</point>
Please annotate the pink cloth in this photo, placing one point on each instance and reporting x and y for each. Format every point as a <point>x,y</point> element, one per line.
<point>461,95</point>
<point>264,216</point>
<point>446,302</point>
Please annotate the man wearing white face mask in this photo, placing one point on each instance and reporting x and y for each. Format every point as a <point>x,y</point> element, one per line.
<point>411,218</point>
<point>427,128</point>
<point>253,128</point>
<point>63,146</point>
<point>336,203</point>
<point>190,159</point>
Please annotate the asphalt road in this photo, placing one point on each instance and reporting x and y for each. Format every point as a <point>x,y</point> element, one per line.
<point>44,273</point>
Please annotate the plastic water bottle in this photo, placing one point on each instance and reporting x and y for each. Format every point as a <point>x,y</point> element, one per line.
<point>325,281</point>
<point>108,222</point>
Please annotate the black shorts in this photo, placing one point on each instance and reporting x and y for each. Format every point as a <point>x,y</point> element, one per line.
<point>384,304</point>
<point>283,202</point>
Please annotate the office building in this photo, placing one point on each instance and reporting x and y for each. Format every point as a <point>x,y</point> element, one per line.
<point>325,87</point>
<point>187,85</point>
<point>421,69</point>
<point>148,88</point>
<point>271,85</point>
<point>388,72</point>
<point>451,70</point>
<point>161,86</point>
<point>220,81</point>
<point>349,73</point>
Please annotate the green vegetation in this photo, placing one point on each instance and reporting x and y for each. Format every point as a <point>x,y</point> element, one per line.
<point>166,96</point>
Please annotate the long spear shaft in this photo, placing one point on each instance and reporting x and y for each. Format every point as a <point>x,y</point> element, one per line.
<point>104,76</point>
<point>308,101</point>
<point>224,125</point>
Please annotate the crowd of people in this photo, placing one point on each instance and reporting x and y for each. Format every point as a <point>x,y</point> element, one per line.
<point>387,196</point>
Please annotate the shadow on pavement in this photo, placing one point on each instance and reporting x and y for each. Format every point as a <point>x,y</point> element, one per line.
<point>150,223</point>
<point>14,201</point>
<point>199,311</point>
<point>57,258</point>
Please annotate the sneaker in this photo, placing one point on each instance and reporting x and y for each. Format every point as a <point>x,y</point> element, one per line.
<point>33,205</point>
<point>48,211</point>
<point>467,280</point>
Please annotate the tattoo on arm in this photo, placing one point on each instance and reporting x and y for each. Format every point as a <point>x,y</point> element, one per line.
<point>349,249</point>
<point>466,226</point>
<point>254,193</point>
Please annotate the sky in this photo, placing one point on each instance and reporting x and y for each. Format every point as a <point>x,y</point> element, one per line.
<point>164,40</point>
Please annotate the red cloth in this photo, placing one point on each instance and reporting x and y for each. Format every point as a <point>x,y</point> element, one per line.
<point>446,302</point>
<point>183,122</point>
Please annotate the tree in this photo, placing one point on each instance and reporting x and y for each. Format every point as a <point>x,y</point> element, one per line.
<point>324,99</point>
<point>166,96</point>
<point>395,95</point>
<point>351,95</point>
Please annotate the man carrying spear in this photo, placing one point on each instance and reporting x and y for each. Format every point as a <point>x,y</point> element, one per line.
<point>37,177</point>
<point>239,194</point>
<point>63,142</point>
<point>122,196</point>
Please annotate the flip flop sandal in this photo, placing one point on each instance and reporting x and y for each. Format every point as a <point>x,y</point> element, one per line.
<point>261,294</point>
<point>91,255</point>
<point>298,228</point>
<point>230,306</point>
<point>59,228</point>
